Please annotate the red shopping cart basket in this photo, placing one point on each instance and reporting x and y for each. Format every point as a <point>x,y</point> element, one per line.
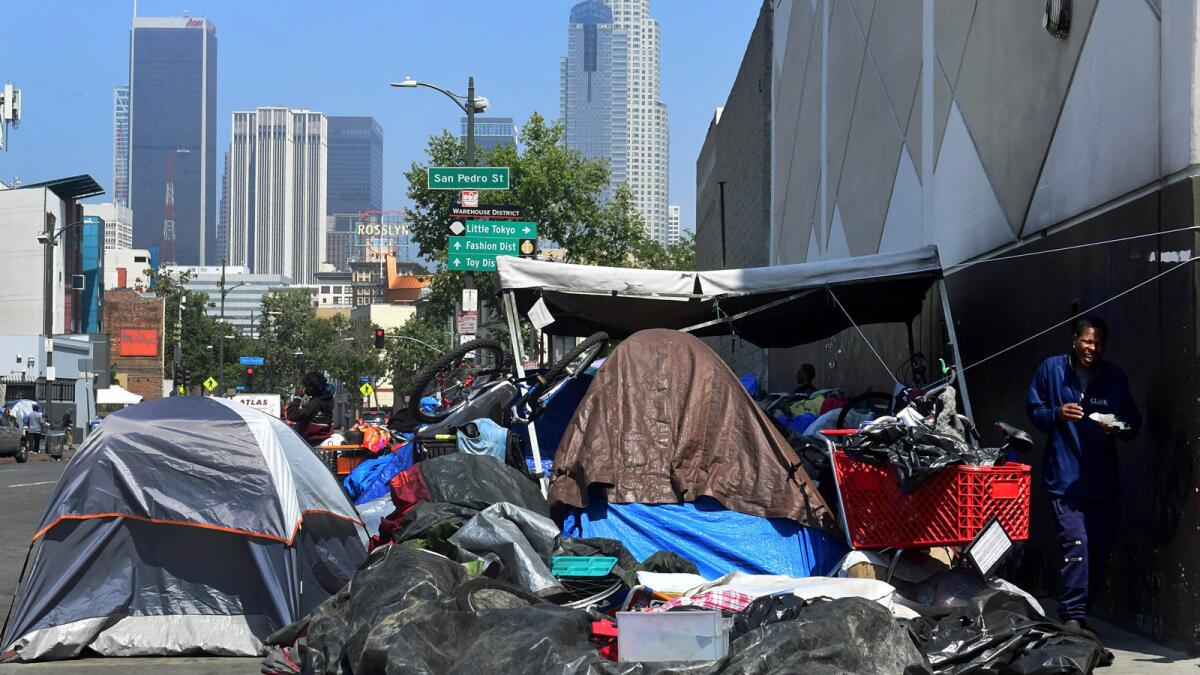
<point>948,509</point>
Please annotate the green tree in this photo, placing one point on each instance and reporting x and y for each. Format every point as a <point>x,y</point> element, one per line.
<point>678,256</point>
<point>410,349</point>
<point>293,341</point>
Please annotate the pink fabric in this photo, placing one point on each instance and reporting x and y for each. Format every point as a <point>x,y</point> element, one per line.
<point>726,601</point>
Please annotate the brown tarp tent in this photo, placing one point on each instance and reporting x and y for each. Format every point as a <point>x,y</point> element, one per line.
<point>665,421</point>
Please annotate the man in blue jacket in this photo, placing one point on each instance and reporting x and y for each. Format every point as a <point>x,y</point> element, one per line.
<point>1068,393</point>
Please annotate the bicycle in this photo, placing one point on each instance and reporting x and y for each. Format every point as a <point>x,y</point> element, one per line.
<point>477,380</point>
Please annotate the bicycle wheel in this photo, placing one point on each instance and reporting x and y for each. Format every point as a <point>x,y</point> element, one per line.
<point>568,367</point>
<point>584,592</point>
<point>452,379</point>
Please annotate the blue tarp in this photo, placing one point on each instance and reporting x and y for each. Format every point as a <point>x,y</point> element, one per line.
<point>554,419</point>
<point>369,480</point>
<point>716,539</point>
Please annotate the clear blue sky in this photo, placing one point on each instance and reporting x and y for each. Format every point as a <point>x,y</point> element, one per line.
<point>338,57</point>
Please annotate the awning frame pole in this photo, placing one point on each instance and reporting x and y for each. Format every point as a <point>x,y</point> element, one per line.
<point>749,312</point>
<point>948,316</point>
<point>514,338</point>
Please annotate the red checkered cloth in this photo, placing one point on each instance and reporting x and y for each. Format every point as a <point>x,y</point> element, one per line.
<point>726,601</point>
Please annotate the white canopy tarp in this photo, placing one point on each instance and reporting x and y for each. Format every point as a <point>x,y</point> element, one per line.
<point>780,306</point>
<point>115,394</point>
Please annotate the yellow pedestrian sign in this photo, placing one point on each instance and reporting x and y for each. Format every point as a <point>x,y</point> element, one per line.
<point>210,383</point>
<point>367,389</point>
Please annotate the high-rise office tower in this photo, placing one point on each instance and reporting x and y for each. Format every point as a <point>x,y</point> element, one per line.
<point>121,146</point>
<point>594,86</point>
<point>278,162</point>
<point>613,53</point>
<point>355,169</point>
<point>223,216</point>
<point>673,233</point>
<point>173,112</point>
<point>489,133</point>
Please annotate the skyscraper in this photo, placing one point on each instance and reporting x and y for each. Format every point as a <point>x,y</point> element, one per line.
<point>355,169</point>
<point>610,97</point>
<point>278,161</point>
<point>172,113</point>
<point>223,216</point>
<point>673,233</point>
<point>489,133</point>
<point>594,86</point>
<point>121,145</point>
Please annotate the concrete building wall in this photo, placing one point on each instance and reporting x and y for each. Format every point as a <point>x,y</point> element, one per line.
<point>737,152</point>
<point>964,124</point>
<point>22,218</point>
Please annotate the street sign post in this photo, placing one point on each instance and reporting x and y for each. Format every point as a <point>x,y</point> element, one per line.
<point>470,199</point>
<point>467,178</point>
<point>251,360</point>
<point>366,390</point>
<point>470,300</point>
<point>210,383</point>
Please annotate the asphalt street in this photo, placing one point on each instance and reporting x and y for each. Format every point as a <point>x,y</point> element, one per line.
<point>25,489</point>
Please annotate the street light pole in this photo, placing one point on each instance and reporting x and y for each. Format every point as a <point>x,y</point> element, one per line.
<point>48,239</point>
<point>471,120</point>
<point>224,291</point>
<point>48,305</point>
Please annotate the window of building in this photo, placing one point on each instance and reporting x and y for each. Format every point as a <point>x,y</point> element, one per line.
<point>325,289</point>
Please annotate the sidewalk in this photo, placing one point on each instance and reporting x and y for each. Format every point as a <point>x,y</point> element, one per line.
<point>1134,653</point>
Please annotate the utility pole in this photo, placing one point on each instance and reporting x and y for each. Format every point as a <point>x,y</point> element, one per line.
<point>48,306</point>
<point>471,120</point>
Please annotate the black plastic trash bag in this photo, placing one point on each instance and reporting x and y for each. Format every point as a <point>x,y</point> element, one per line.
<point>846,635</point>
<point>999,632</point>
<point>915,453</point>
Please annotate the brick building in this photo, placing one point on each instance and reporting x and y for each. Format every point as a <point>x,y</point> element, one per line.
<point>135,324</point>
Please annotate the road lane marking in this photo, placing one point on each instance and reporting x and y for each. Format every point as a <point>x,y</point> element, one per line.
<point>48,482</point>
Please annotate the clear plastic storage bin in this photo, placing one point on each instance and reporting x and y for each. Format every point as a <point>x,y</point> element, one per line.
<point>672,636</point>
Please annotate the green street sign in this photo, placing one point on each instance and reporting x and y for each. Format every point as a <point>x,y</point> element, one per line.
<point>480,245</point>
<point>500,229</point>
<point>467,262</point>
<point>467,178</point>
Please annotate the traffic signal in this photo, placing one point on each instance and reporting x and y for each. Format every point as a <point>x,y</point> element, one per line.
<point>249,378</point>
<point>379,335</point>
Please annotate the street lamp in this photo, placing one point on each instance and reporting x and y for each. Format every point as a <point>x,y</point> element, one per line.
<point>470,105</point>
<point>49,239</point>
<point>224,292</point>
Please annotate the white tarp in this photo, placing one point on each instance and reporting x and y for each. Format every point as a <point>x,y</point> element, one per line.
<point>518,273</point>
<point>815,274</point>
<point>115,394</point>
<point>521,273</point>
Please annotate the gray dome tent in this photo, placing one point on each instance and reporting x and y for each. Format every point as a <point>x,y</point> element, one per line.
<point>183,526</point>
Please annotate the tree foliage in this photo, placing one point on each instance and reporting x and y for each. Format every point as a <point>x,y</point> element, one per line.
<point>410,349</point>
<point>294,341</point>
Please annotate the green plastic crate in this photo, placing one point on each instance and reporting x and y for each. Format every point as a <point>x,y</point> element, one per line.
<point>581,566</point>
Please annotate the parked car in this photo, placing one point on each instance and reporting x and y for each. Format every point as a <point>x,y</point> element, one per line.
<point>375,416</point>
<point>13,442</point>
